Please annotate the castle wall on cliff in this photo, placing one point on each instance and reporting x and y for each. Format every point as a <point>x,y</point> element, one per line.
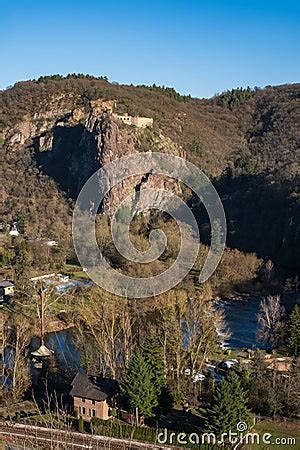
<point>140,122</point>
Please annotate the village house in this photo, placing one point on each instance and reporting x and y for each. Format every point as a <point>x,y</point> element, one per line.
<point>51,243</point>
<point>93,396</point>
<point>279,364</point>
<point>14,232</point>
<point>6,288</point>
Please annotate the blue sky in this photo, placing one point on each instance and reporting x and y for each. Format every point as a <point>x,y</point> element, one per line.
<point>198,47</point>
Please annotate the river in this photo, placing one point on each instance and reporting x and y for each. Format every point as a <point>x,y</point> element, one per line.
<point>240,317</point>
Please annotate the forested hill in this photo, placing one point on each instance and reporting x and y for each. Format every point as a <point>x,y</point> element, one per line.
<point>257,127</point>
<point>245,140</point>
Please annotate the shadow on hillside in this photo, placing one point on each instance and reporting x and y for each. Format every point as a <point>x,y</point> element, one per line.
<point>262,217</point>
<point>71,159</point>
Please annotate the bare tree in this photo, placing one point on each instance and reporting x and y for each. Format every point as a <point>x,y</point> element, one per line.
<point>170,308</point>
<point>18,341</point>
<point>202,323</point>
<point>105,321</point>
<point>271,320</point>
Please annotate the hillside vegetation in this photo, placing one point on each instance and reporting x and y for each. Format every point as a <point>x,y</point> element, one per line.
<point>245,140</point>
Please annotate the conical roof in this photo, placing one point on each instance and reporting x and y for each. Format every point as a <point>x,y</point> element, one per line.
<point>42,351</point>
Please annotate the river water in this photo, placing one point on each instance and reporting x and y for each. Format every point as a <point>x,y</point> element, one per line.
<point>240,317</point>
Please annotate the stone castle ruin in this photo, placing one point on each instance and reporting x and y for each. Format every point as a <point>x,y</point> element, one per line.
<point>140,122</point>
<point>110,105</point>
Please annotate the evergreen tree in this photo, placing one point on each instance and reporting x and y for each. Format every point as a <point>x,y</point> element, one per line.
<point>152,353</point>
<point>258,384</point>
<point>22,222</point>
<point>229,406</point>
<point>21,264</point>
<point>137,386</point>
<point>293,331</point>
<point>166,399</point>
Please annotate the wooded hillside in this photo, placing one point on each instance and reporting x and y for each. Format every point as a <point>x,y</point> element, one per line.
<point>245,140</point>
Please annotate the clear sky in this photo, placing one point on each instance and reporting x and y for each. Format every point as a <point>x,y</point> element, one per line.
<point>198,47</point>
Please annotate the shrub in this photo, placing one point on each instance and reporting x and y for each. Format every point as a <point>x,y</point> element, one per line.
<point>80,425</point>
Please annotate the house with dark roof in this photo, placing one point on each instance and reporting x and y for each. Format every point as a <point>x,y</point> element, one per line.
<point>6,291</point>
<point>6,287</point>
<point>93,396</point>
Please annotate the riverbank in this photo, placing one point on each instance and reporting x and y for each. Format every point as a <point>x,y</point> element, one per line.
<point>241,319</point>
<point>54,326</point>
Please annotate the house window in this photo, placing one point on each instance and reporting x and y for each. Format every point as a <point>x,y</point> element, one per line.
<point>94,412</point>
<point>83,400</point>
<point>93,402</point>
<point>83,410</point>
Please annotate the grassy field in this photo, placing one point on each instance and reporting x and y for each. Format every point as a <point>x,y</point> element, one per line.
<point>75,271</point>
<point>280,431</point>
<point>80,275</point>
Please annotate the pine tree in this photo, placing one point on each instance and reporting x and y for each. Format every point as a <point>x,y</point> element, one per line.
<point>137,386</point>
<point>21,265</point>
<point>152,352</point>
<point>21,221</point>
<point>293,332</point>
<point>21,262</point>
<point>229,406</point>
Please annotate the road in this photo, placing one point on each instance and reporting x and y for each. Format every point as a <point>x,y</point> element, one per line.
<point>33,437</point>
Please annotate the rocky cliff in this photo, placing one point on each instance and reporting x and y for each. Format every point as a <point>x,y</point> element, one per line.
<point>70,145</point>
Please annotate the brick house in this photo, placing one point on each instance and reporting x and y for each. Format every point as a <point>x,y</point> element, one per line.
<point>93,396</point>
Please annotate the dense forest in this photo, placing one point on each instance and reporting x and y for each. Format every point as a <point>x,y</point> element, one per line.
<point>245,140</point>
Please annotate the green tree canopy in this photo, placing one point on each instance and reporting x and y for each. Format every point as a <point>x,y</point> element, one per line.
<point>21,264</point>
<point>152,353</point>
<point>137,386</point>
<point>229,406</point>
<point>293,332</point>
